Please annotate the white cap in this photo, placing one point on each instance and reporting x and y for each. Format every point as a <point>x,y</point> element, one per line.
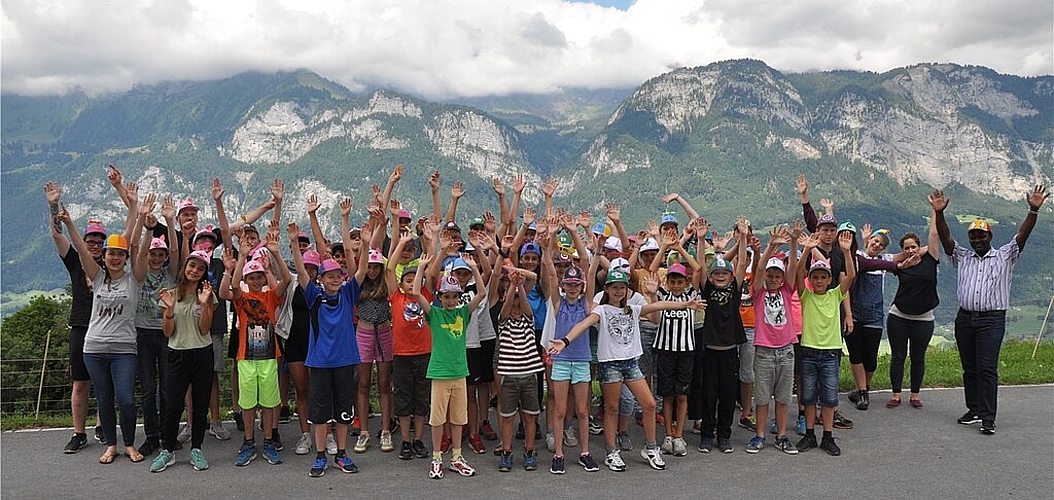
<point>776,262</point>
<point>619,263</point>
<point>613,243</point>
<point>649,245</point>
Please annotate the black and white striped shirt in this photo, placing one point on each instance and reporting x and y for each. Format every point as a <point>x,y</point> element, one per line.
<point>676,327</point>
<point>983,283</point>
<point>517,348</point>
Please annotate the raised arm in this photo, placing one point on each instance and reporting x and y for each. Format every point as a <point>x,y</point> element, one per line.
<point>293,231</point>
<point>808,245</point>
<point>433,184</point>
<point>217,193</point>
<point>846,242</point>
<point>688,209</point>
<point>284,276</point>
<point>205,298</point>
<point>91,268</point>
<point>139,264</point>
<point>548,270</point>
<point>345,235</point>
<point>939,202</point>
<point>132,190</point>
<point>426,263</point>
<point>482,292</point>
<point>457,190</point>
<point>742,234</point>
<point>1035,200</point>
<point>615,216</point>
<point>503,210</point>
<point>792,255</point>
<point>53,193</point>
<point>806,208</point>
<point>393,179</point>
<point>517,197</point>
<point>548,189</point>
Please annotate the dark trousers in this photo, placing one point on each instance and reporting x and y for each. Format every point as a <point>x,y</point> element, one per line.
<point>153,347</point>
<point>901,332</point>
<point>720,389</point>
<point>979,336</point>
<point>187,368</point>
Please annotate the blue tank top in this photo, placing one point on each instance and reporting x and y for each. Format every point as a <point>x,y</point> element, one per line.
<point>566,317</point>
<point>537,302</point>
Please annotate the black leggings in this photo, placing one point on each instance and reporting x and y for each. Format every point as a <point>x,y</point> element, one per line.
<point>863,346</point>
<point>191,368</point>
<point>901,331</point>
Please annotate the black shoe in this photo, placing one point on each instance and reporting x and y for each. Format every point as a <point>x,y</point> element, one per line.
<point>969,418</point>
<point>706,443</point>
<point>283,416</point>
<point>419,449</point>
<point>276,440</point>
<point>828,445</point>
<point>864,402</point>
<point>840,422</point>
<point>520,434</point>
<point>238,422</point>
<point>77,442</point>
<point>854,395</point>
<point>151,445</point>
<point>988,427</point>
<point>406,452</point>
<point>99,436</point>
<point>807,442</point>
<point>725,445</point>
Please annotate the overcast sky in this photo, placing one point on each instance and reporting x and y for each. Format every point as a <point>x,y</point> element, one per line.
<point>448,48</point>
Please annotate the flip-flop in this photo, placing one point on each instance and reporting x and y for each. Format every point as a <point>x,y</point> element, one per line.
<point>136,457</point>
<point>107,458</point>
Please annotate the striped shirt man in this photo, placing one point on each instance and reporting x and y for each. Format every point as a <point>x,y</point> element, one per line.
<point>983,283</point>
<point>677,326</point>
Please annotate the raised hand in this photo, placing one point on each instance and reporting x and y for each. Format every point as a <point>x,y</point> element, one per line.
<point>147,206</point>
<point>865,232</point>
<point>702,226</point>
<point>506,242</point>
<point>518,184</point>
<point>845,240</point>
<point>132,190</point>
<point>803,185</point>
<point>168,208</point>
<point>397,174</point>
<point>938,201</point>
<point>797,228</point>
<point>1037,196</point>
<point>115,176</point>
<point>205,294</point>
<point>528,215</point>
<point>168,298</point>
<point>312,203</point>
<point>293,231</point>
<point>827,204</point>
<point>272,240</point>
<point>653,228</point>
<point>550,187</point>
<point>584,219</point>
<point>670,239</point>
<point>911,261</point>
<point>811,241</point>
<point>613,212</point>
<point>650,284</point>
<point>499,188</point>
<point>52,193</point>
<point>721,241</point>
<point>277,189</point>
<point>490,223</point>
<point>394,207</point>
<point>217,190</point>
<point>433,180</point>
<point>228,259</point>
<point>779,236</point>
<point>670,197</point>
<point>345,209</point>
<point>457,190</point>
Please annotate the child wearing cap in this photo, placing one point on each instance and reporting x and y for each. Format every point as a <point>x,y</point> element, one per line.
<point>618,347</point>
<point>332,354</point>
<point>257,363</point>
<point>821,341</point>
<point>722,333</point>
<point>774,337</point>
<point>519,362</point>
<point>448,365</point>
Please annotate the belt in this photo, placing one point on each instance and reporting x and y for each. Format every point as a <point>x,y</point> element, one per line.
<point>981,314</point>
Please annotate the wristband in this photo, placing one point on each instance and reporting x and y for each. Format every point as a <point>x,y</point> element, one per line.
<point>1034,211</point>
<point>566,342</point>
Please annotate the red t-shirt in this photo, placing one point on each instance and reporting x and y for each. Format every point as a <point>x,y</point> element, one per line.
<point>256,320</point>
<point>410,333</point>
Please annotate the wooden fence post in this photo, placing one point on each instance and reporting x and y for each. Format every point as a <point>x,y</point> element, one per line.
<point>43,367</point>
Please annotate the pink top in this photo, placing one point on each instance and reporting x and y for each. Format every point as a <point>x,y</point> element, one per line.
<point>774,325</point>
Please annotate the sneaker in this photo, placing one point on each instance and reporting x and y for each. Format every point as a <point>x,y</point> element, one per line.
<point>530,460</point>
<point>706,443</point>
<point>276,439</point>
<point>318,468</point>
<point>271,453</point>
<point>570,439</point>
<point>303,445</point>
<point>245,455</point>
<point>783,444</point>
<point>283,415</point>
<point>807,443</point>
<point>77,442</point>
<point>667,445</point>
<point>487,431</point>
<point>346,464</point>
<point>387,445</point>
<point>550,442</point>
<point>749,423</point>
<point>614,461</point>
<point>773,429</point>
<point>801,425</point>
<point>505,461</point>
<point>596,428</point>
<point>756,444</point>
<point>219,431</point>
<point>184,434</point>
<point>475,443</point>
<point>557,466</point>
<point>462,467</point>
<point>520,434</point>
<point>197,459</point>
<point>101,438</point>
<point>419,449</point>
<point>697,427</point>
<point>680,448</point>
<point>865,401</point>
<point>435,471</point>
<point>331,444</point>
<point>149,447</point>
<point>444,444</point>
<point>356,427</point>
<point>725,445</point>
<point>988,428</point>
<point>624,442</point>
<point>162,461</point>
<point>363,443</point>
<point>828,445</point>
<point>969,418</point>
<point>587,462</point>
<point>238,422</point>
<point>653,457</point>
<point>406,451</point>
<point>840,422</point>
<point>854,395</point>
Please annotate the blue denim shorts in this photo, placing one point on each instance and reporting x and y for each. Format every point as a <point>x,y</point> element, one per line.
<point>819,376</point>
<point>574,372</point>
<point>623,370</point>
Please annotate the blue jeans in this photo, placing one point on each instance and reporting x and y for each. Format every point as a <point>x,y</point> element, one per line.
<point>979,336</point>
<point>113,376</point>
<point>819,376</point>
<point>153,349</point>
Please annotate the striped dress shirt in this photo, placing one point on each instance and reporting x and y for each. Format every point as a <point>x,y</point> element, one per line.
<point>983,283</point>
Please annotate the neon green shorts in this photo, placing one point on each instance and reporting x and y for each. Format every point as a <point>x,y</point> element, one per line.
<point>258,383</point>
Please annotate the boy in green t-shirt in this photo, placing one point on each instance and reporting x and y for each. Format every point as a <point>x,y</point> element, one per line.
<point>448,365</point>
<point>821,340</point>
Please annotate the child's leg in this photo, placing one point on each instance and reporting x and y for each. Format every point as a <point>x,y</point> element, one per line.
<point>506,432</point>
<point>669,407</point>
<point>298,372</point>
<point>529,431</point>
<point>682,415</point>
<point>762,413</point>
<point>269,421</point>
<point>558,399</point>
<point>249,414</point>
<point>473,410</point>
<point>781,419</point>
<point>235,406</point>
<point>611,393</point>
<point>726,396</point>
<point>321,430</point>
<point>419,427</point>
<point>362,403</point>
<point>384,389</point>
<point>642,392</point>
<point>581,392</point>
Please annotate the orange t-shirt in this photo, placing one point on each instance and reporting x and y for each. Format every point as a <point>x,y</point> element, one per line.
<point>746,303</point>
<point>256,320</point>
<point>411,335</point>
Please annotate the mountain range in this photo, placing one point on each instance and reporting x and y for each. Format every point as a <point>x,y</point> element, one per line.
<point>730,137</point>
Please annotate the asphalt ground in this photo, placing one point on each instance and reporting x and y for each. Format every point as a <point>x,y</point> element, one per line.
<point>890,453</point>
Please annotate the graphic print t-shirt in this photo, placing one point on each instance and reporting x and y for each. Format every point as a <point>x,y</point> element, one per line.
<point>619,333</point>
<point>256,319</point>
<point>449,360</point>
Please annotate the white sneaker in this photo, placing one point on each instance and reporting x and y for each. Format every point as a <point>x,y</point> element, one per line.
<point>184,434</point>
<point>653,457</point>
<point>386,442</point>
<point>331,445</point>
<point>219,431</point>
<point>667,445</point>
<point>363,443</point>
<point>680,448</point>
<point>570,439</point>
<point>614,461</point>
<point>550,442</point>
<point>303,446</point>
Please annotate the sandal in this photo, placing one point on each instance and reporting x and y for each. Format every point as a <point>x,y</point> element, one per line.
<point>134,455</point>
<point>107,458</point>
<point>892,403</point>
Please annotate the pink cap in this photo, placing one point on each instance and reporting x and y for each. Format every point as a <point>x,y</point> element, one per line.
<point>187,204</point>
<point>96,227</point>
<point>158,243</point>
<point>200,255</point>
<point>253,266</point>
<point>375,257</point>
<point>313,258</point>
<point>677,269</point>
<point>327,266</point>
<point>404,214</point>
<point>449,284</point>
<point>303,236</point>
<point>206,232</point>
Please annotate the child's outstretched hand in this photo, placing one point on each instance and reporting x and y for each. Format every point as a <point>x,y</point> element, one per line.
<point>845,240</point>
<point>228,259</point>
<point>205,294</point>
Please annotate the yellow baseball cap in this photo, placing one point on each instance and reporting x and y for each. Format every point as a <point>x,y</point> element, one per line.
<point>980,225</point>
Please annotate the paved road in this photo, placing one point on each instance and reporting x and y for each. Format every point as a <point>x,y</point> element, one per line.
<point>901,453</point>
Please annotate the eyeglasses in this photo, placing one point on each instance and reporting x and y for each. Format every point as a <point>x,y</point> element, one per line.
<point>93,243</point>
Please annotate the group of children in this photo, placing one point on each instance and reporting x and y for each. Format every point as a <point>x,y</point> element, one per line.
<point>544,306</point>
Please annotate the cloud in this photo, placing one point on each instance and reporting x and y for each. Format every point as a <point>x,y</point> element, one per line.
<point>482,47</point>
